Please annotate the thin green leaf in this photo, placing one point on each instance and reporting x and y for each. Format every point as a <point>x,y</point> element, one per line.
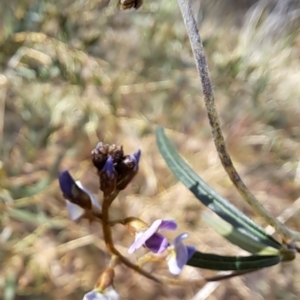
<point>232,263</point>
<point>237,237</point>
<point>208,196</point>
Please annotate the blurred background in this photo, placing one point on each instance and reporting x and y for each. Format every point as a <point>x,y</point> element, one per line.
<point>73,73</point>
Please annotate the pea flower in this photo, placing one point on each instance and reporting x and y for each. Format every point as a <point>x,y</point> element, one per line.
<point>108,294</point>
<point>78,198</point>
<point>179,254</point>
<point>154,241</point>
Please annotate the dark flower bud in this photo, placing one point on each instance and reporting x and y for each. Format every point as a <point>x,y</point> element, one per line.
<point>108,177</point>
<point>115,169</point>
<point>99,155</point>
<point>116,153</point>
<point>127,169</point>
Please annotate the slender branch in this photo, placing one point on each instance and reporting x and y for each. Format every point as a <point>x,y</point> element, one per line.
<point>218,137</point>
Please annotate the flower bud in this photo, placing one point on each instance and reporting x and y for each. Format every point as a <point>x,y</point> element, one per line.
<point>115,169</point>
<point>108,177</point>
<point>127,169</point>
<point>105,280</point>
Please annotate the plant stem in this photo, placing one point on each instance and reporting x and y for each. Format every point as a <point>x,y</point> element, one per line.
<point>109,241</point>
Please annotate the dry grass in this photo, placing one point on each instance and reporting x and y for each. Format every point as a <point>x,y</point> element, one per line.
<point>90,72</point>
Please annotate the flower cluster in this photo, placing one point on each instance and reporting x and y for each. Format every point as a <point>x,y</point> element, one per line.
<point>115,171</point>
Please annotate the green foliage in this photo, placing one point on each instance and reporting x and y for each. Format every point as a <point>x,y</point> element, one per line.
<point>243,231</point>
<point>233,263</point>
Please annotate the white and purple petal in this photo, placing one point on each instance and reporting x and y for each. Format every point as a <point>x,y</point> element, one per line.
<point>67,185</point>
<point>141,238</point>
<point>157,243</point>
<point>168,225</point>
<point>74,210</point>
<point>154,241</point>
<point>109,294</point>
<point>179,254</point>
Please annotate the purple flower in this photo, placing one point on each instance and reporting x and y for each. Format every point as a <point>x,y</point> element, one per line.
<point>74,190</point>
<point>108,294</point>
<point>179,254</point>
<point>154,241</point>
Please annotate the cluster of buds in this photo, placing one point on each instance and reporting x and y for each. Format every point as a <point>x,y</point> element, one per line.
<point>115,171</point>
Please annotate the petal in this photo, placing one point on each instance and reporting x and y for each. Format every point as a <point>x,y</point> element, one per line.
<point>109,167</point>
<point>92,197</point>
<point>66,183</point>
<point>154,227</point>
<point>179,254</point>
<point>141,240</point>
<point>137,156</point>
<point>179,238</point>
<point>134,245</point>
<point>168,225</point>
<point>157,243</point>
<point>172,264</point>
<point>111,294</point>
<point>75,211</point>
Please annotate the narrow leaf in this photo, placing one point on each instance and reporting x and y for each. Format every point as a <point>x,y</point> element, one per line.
<point>232,263</point>
<point>237,237</point>
<point>208,196</point>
